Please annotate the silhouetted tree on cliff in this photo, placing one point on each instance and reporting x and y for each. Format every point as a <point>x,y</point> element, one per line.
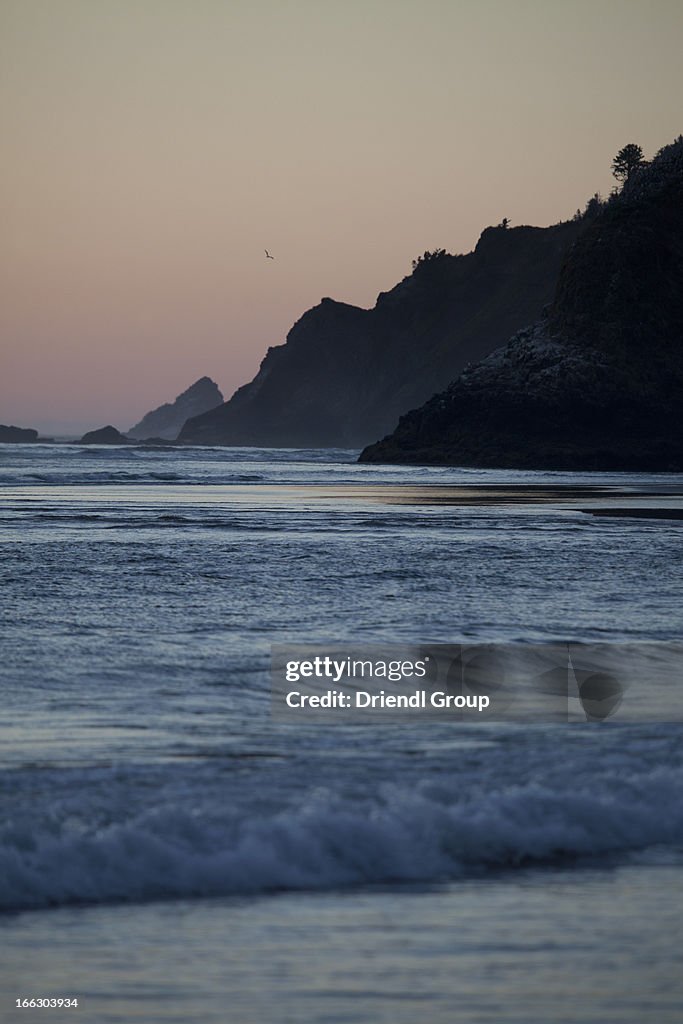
<point>627,160</point>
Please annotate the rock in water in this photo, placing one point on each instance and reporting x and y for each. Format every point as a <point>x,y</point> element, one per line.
<point>167,421</point>
<point>596,384</point>
<point>104,435</point>
<point>17,435</point>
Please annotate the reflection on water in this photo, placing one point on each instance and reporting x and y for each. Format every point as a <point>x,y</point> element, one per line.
<point>543,947</point>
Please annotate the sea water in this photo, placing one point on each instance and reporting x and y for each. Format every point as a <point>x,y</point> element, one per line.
<point>168,852</point>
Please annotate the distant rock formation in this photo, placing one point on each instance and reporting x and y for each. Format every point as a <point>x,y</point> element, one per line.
<point>345,374</point>
<point>17,435</point>
<point>598,382</point>
<point>104,435</point>
<point>166,421</point>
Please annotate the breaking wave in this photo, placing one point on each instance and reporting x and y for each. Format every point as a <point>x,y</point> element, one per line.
<point>424,833</point>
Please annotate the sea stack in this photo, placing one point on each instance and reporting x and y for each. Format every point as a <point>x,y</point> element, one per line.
<point>17,435</point>
<point>104,435</point>
<point>166,422</point>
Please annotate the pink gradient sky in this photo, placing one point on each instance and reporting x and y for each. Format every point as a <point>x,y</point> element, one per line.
<point>153,149</point>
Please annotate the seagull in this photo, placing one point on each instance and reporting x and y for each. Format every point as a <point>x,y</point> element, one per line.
<point>268,256</point>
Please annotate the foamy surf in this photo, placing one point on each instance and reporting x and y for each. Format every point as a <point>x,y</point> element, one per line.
<point>429,832</point>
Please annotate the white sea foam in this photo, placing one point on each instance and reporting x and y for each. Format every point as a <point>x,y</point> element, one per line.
<point>429,833</point>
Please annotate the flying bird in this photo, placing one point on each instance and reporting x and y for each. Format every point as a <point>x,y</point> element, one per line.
<point>268,256</point>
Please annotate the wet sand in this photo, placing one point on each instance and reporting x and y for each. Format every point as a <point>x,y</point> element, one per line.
<point>515,494</point>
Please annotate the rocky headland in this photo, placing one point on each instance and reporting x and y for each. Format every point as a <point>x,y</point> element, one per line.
<point>597,382</point>
<point>345,374</point>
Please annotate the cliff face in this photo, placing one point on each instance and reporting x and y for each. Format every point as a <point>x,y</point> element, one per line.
<point>166,421</point>
<point>345,374</point>
<point>598,382</point>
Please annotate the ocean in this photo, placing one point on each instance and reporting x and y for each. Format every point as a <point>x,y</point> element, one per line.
<point>171,852</point>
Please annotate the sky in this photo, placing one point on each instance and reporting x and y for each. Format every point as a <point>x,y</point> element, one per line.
<point>152,149</point>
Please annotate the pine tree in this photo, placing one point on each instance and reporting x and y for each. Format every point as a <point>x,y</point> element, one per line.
<point>627,160</point>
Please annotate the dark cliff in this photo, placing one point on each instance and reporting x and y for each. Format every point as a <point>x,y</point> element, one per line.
<point>345,374</point>
<point>597,383</point>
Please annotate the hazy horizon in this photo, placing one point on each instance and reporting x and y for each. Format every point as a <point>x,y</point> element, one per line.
<point>153,150</point>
